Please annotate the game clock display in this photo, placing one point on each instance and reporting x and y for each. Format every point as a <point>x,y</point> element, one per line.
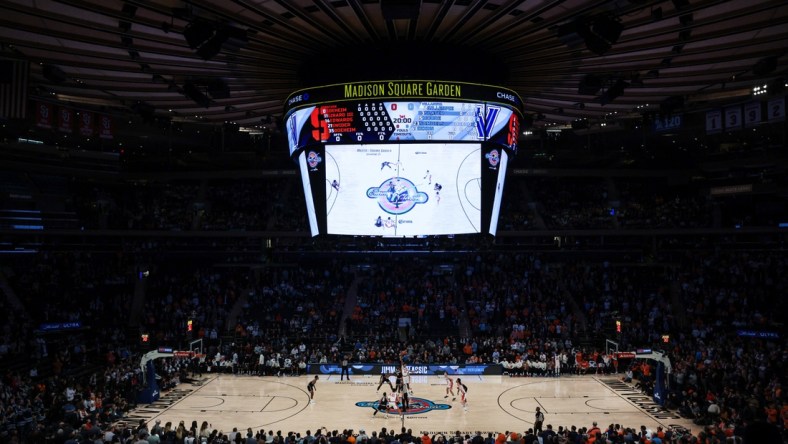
<point>373,121</point>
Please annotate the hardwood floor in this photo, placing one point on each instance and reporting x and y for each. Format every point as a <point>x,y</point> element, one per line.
<point>495,403</point>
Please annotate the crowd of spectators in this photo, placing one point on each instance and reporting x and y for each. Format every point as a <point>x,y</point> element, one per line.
<point>67,361</point>
<point>576,203</point>
<point>718,307</point>
<point>276,203</point>
<point>653,204</point>
<point>215,205</point>
<point>517,307</point>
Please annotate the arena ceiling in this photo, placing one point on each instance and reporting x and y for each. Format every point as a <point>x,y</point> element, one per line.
<point>627,55</point>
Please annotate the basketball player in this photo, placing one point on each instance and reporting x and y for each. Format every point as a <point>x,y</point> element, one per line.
<point>462,389</point>
<point>392,403</point>
<point>449,386</point>
<point>406,378</point>
<point>404,403</point>
<point>312,388</point>
<point>428,176</point>
<point>438,187</point>
<point>384,379</point>
<point>399,385</point>
<point>382,404</point>
<point>335,184</point>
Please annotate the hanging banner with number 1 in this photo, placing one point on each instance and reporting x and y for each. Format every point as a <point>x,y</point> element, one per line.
<point>713,122</point>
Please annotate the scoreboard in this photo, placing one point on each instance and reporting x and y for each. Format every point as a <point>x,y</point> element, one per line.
<point>403,158</point>
<point>375,112</point>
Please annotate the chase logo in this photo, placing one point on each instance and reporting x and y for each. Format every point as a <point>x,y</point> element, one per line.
<point>397,195</point>
<point>312,159</point>
<point>417,406</point>
<point>493,157</point>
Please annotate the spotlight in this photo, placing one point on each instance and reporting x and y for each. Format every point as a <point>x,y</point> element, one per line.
<point>598,34</point>
<point>202,37</point>
<point>207,38</point>
<point>680,4</point>
<point>218,89</point>
<point>193,92</point>
<point>764,66</point>
<point>589,85</point>
<point>613,92</point>
<point>608,28</point>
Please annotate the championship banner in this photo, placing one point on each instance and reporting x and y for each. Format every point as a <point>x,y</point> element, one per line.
<point>43,115</point>
<point>713,122</point>
<point>425,369</point>
<point>733,118</point>
<point>86,123</point>
<point>752,114</point>
<point>65,122</point>
<point>776,109</point>
<point>105,127</point>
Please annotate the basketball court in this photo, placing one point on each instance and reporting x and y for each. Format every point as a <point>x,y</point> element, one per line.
<point>495,403</point>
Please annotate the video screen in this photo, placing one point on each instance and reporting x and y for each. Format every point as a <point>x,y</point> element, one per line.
<point>310,202</point>
<point>496,210</point>
<point>396,190</point>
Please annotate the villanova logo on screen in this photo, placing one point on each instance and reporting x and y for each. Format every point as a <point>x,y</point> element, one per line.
<point>485,121</point>
<point>416,406</point>
<point>397,195</point>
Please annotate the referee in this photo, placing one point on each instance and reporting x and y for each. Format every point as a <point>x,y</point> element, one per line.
<point>538,421</point>
<point>345,369</point>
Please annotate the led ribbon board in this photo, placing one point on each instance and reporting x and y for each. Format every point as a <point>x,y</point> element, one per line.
<point>402,111</point>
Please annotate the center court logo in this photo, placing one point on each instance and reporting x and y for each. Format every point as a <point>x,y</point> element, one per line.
<point>397,195</point>
<point>417,406</point>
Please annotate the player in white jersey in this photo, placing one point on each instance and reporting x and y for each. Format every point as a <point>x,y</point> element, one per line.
<point>449,386</point>
<point>392,404</point>
<point>406,379</point>
<point>462,390</point>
